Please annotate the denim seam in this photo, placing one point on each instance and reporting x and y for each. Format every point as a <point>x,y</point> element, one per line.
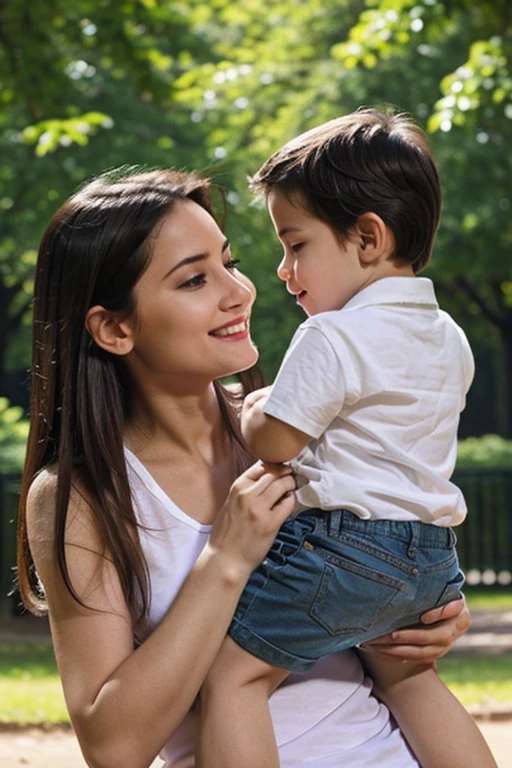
<point>241,612</point>
<point>405,539</point>
<point>286,557</point>
<point>379,554</point>
<point>267,651</point>
<point>441,566</point>
<point>394,585</point>
<point>363,570</point>
<point>365,527</point>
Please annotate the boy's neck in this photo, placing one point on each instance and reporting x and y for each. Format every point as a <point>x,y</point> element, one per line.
<point>388,269</point>
<point>381,270</point>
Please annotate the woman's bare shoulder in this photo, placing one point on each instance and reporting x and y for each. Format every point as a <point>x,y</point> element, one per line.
<point>42,510</point>
<point>41,503</point>
<point>89,567</point>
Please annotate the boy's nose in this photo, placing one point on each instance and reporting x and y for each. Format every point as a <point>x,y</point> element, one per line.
<point>283,271</point>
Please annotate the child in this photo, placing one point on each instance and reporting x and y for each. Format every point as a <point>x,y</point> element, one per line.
<point>366,405</point>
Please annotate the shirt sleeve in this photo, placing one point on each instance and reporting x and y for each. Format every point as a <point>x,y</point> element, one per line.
<point>309,389</point>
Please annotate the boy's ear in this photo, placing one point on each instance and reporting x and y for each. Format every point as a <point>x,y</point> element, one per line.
<point>108,331</point>
<point>376,240</point>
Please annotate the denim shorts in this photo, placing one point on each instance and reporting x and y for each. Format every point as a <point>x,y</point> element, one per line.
<point>332,580</point>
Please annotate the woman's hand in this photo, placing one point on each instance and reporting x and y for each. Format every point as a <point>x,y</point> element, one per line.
<point>258,502</point>
<point>441,627</point>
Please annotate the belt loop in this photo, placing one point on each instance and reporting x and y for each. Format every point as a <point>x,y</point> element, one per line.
<point>334,521</point>
<point>414,540</point>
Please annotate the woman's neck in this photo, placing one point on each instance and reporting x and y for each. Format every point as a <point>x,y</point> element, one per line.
<point>184,444</point>
<point>185,423</point>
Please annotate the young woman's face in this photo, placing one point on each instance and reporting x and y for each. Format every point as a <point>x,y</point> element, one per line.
<point>192,304</point>
<point>318,270</point>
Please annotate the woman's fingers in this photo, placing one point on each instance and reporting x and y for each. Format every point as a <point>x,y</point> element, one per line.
<point>429,641</point>
<point>262,473</point>
<point>253,473</point>
<point>271,496</point>
<point>258,503</point>
<point>449,611</point>
<point>424,654</point>
<point>268,483</point>
<point>271,487</point>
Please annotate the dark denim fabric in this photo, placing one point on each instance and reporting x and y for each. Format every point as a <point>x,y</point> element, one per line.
<point>332,581</point>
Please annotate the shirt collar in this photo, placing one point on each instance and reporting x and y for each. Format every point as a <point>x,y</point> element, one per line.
<point>396,290</point>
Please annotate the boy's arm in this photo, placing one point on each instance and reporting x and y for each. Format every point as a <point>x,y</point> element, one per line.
<point>269,438</point>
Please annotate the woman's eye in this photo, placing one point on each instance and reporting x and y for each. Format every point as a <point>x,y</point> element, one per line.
<point>232,263</point>
<point>296,247</point>
<point>194,282</point>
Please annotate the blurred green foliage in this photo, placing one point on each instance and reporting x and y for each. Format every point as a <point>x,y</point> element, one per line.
<point>491,451</point>
<point>487,451</point>
<point>13,436</point>
<point>219,85</point>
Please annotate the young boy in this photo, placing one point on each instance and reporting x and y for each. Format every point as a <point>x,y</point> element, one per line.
<point>366,407</point>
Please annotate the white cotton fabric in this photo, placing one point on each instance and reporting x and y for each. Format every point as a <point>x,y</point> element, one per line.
<point>379,385</point>
<point>325,718</point>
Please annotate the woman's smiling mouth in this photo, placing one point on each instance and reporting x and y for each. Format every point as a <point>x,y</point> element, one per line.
<point>237,329</point>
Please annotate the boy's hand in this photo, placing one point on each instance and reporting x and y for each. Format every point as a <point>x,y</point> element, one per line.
<point>258,397</point>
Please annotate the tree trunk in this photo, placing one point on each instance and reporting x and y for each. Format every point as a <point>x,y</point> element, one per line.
<point>506,335</point>
<point>13,384</point>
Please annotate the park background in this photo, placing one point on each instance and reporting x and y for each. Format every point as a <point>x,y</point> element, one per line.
<point>87,85</point>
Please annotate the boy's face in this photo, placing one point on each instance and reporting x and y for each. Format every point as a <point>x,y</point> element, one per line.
<point>318,270</point>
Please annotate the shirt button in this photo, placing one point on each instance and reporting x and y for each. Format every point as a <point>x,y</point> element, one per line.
<point>308,545</point>
<point>414,571</point>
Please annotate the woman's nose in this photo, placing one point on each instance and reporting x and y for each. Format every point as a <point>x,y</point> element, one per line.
<point>240,292</point>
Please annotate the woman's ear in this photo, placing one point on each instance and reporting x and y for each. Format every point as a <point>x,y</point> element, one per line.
<point>376,240</point>
<point>108,331</point>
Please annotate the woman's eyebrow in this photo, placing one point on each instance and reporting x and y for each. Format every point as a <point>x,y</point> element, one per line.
<point>192,259</point>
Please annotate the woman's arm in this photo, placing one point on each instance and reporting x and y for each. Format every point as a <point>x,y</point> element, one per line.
<point>124,704</point>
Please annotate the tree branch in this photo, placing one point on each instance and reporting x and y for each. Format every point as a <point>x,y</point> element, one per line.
<point>499,319</point>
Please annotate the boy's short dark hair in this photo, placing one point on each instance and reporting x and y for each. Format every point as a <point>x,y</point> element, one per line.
<point>365,161</point>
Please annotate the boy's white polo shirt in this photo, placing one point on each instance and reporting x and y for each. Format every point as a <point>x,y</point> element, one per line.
<point>379,386</point>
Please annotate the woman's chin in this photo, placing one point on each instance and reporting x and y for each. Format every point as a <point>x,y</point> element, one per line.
<point>245,361</point>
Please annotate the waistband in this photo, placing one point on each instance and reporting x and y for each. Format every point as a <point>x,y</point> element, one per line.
<point>409,531</point>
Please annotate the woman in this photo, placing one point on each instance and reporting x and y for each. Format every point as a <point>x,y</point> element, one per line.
<point>131,514</point>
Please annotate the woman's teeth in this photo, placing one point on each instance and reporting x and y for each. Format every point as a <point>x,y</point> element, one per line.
<point>230,329</point>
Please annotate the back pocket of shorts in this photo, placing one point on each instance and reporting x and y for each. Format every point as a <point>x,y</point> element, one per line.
<point>452,591</point>
<point>351,597</point>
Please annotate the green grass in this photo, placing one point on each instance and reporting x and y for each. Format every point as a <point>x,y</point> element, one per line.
<point>489,599</point>
<point>478,680</point>
<point>30,689</point>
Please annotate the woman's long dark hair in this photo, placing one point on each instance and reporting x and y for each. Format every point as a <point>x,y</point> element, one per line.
<point>94,251</point>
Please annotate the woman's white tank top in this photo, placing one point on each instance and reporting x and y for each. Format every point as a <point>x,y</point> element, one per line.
<point>325,718</point>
